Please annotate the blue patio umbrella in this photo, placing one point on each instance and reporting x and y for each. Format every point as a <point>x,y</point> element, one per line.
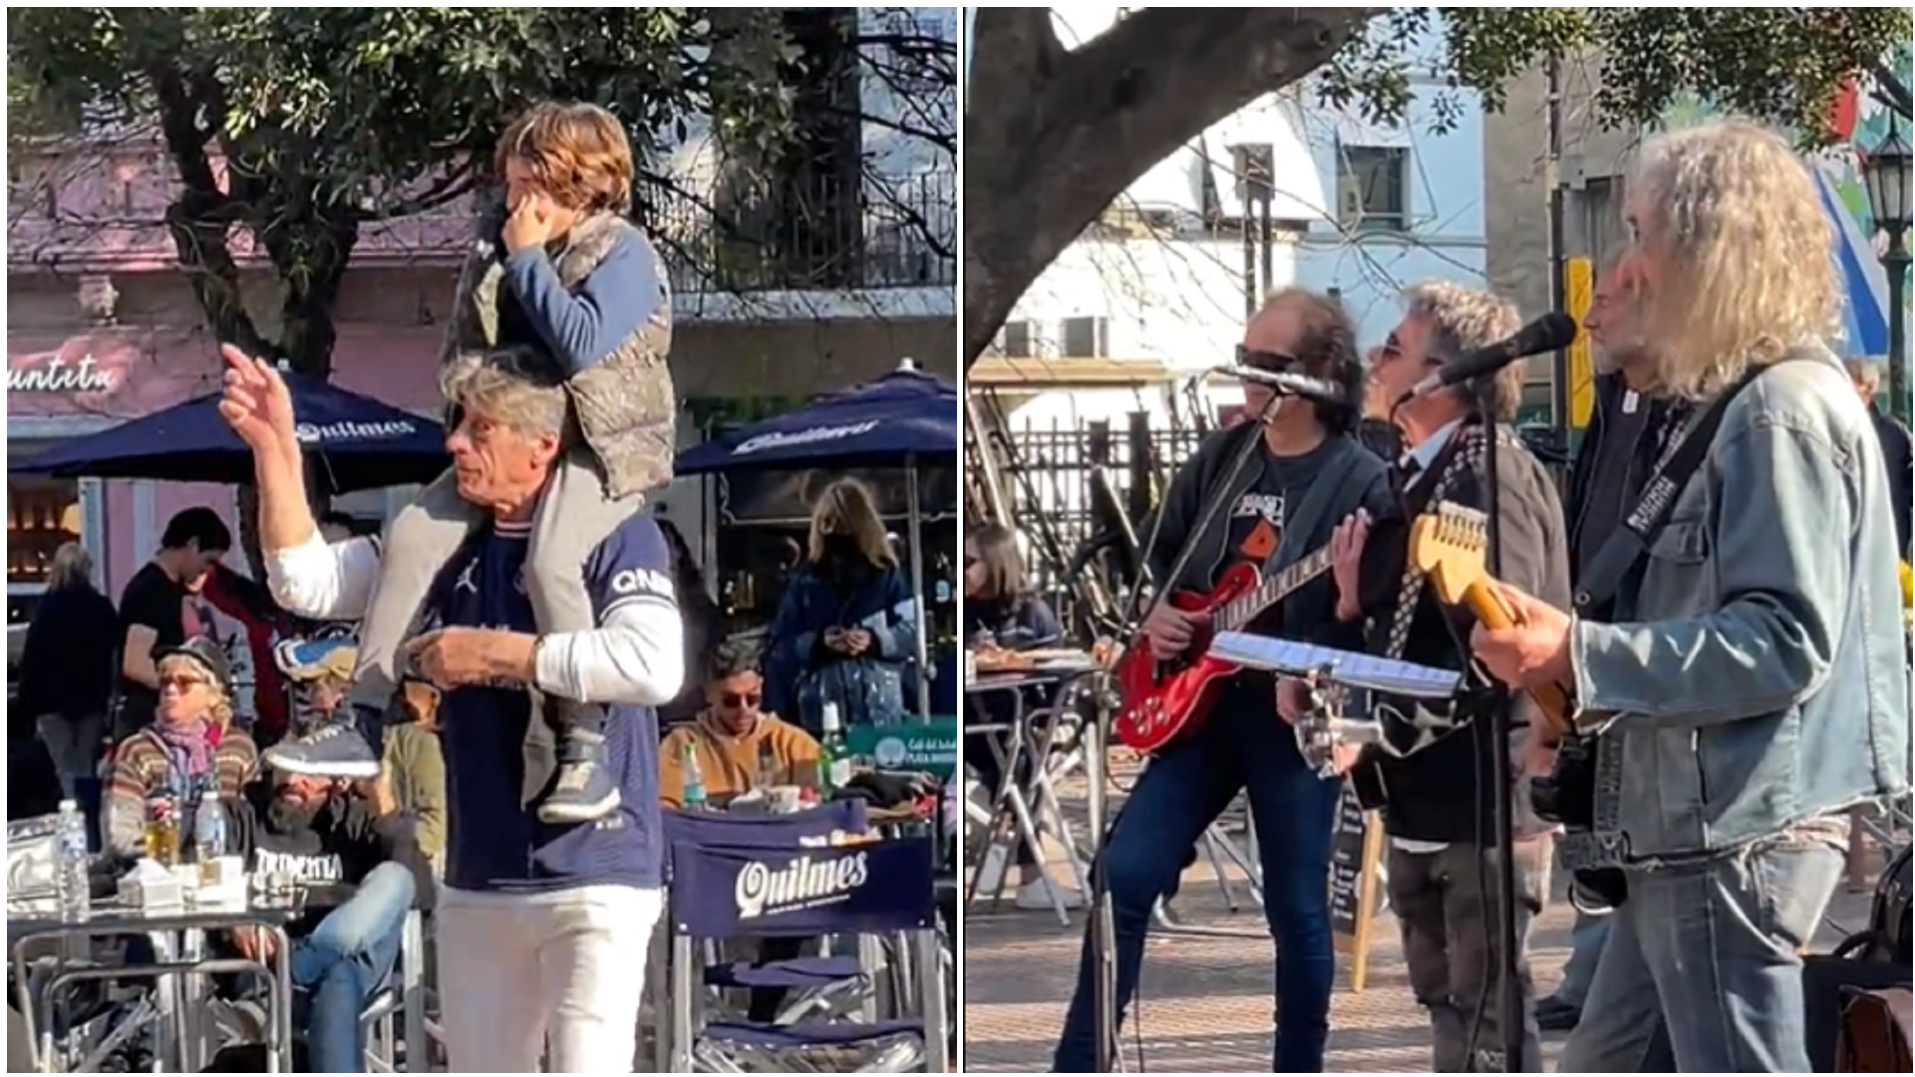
<point>358,443</point>
<point>895,421</point>
<point>905,415</point>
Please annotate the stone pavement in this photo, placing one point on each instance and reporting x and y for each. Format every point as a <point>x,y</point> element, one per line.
<point>1206,1003</point>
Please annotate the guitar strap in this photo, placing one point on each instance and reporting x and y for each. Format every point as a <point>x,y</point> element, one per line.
<point>1628,544</point>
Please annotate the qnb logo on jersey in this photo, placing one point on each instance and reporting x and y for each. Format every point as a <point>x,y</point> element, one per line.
<point>803,883</point>
<point>641,581</point>
<point>803,437</point>
<point>333,433</point>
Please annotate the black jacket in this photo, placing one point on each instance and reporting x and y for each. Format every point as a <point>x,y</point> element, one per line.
<point>1200,482</point>
<point>1901,473</point>
<point>330,854</point>
<point>1433,792</point>
<point>68,664</point>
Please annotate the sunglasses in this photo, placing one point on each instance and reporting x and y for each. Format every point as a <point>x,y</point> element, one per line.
<point>742,699</point>
<point>181,681</point>
<point>1263,360</point>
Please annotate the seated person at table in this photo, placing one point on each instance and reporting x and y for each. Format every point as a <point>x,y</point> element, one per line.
<point>415,767</point>
<point>191,740</point>
<point>731,732</point>
<point>353,854</point>
<point>999,612</point>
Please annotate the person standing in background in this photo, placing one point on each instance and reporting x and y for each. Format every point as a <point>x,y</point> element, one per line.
<point>846,623</point>
<point>66,668</point>
<point>1896,451</point>
<point>156,611</point>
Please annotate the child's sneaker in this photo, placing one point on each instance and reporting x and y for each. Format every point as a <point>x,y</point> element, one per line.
<point>585,790</point>
<point>333,750</point>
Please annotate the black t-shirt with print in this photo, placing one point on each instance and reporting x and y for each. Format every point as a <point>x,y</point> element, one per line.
<point>1258,518</point>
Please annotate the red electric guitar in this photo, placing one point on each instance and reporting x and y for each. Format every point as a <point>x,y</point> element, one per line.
<point>1165,702</point>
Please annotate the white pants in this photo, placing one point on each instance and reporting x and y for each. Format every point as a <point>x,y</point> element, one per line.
<point>517,971</point>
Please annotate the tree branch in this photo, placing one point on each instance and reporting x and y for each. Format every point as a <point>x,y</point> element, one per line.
<point>1074,129</point>
<point>200,217</point>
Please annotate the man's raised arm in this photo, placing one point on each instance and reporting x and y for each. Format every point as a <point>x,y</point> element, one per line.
<point>307,576</point>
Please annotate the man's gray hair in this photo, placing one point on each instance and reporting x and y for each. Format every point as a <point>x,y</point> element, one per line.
<point>1463,319</point>
<point>515,387</point>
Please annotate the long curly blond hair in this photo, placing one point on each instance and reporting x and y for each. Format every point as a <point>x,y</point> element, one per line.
<point>1744,254</point>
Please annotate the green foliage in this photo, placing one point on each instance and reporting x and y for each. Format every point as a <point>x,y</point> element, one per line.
<point>301,124</point>
<point>1780,65</point>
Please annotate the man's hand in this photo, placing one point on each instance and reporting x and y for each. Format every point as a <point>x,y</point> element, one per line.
<point>1533,651</point>
<point>1346,558</point>
<point>530,224</point>
<point>256,403</point>
<point>1171,631</point>
<point>255,943</point>
<point>837,640</point>
<point>453,657</point>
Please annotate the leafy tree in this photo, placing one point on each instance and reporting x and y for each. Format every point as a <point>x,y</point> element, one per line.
<point>1053,134</point>
<point>304,126</point>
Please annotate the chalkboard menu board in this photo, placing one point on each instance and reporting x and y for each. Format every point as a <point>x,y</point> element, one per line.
<point>1354,851</point>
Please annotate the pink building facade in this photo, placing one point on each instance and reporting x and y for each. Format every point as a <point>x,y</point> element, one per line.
<point>103,327</point>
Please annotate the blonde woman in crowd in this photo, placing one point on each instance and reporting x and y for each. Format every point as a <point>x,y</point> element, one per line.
<point>847,621</point>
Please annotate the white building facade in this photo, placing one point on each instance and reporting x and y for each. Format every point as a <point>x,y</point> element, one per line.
<point>1356,209</point>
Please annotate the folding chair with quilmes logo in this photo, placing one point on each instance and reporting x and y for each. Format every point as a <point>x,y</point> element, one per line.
<point>773,877</point>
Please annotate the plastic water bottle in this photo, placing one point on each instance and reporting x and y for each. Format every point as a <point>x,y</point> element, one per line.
<point>71,882</point>
<point>209,832</point>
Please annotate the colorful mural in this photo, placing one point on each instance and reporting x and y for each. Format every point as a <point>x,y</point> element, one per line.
<point>1862,124</point>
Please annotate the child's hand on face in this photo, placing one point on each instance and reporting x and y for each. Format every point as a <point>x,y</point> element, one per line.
<point>530,224</point>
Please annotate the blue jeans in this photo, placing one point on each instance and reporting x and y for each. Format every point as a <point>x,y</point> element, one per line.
<point>1585,948</point>
<point>339,965</point>
<point>1245,747</point>
<point>1700,973</point>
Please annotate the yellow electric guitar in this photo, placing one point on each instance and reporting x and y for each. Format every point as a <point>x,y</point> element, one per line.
<point>1449,545</point>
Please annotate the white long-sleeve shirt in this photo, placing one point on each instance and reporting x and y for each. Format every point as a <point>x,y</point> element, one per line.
<point>635,656</point>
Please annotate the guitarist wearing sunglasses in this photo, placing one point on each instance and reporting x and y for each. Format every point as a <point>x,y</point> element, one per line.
<point>1309,472</point>
<point>1431,778</point>
<point>1750,679</point>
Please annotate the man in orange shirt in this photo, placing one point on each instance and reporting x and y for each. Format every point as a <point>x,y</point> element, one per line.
<point>731,733</point>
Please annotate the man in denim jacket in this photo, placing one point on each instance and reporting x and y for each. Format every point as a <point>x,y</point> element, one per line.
<point>1752,679</point>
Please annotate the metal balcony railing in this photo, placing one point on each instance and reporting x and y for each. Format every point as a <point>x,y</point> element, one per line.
<point>823,233</point>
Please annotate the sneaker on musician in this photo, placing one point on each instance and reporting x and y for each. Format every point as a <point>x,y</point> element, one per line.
<point>333,750</point>
<point>1036,894</point>
<point>585,790</point>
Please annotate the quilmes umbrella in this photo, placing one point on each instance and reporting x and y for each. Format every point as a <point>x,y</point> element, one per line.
<point>906,413</point>
<point>891,422</point>
<point>358,444</point>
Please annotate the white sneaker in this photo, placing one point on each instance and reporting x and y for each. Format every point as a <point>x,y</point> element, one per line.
<point>1037,895</point>
<point>990,874</point>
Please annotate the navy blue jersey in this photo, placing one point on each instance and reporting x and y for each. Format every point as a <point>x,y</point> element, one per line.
<point>493,841</point>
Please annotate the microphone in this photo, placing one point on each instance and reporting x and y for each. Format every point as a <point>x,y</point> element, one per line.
<point>1551,332</point>
<point>1286,383</point>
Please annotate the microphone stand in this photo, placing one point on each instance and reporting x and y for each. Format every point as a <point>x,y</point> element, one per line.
<point>1509,1000</point>
<point>1103,933</point>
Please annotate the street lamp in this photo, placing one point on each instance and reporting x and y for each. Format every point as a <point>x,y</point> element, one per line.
<point>1886,174</point>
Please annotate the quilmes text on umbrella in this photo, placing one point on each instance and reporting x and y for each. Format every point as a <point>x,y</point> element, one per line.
<point>336,433</point>
<point>804,437</point>
<point>57,375</point>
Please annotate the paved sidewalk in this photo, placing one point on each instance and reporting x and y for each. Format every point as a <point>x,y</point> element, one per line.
<point>1206,1003</point>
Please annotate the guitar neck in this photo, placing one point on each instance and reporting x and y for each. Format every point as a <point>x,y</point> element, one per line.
<point>1241,610</point>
